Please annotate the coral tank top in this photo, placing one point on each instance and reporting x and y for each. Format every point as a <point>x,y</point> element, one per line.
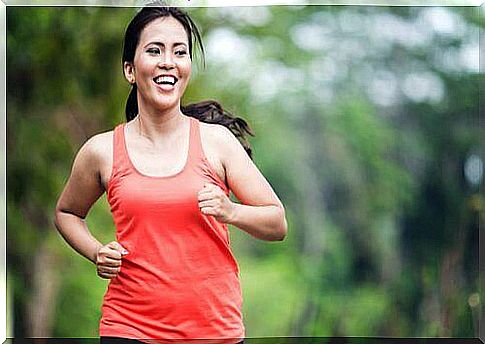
<point>180,279</point>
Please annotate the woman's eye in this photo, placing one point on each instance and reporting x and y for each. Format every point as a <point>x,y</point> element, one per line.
<point>153,51</point>
<point>181,52</point>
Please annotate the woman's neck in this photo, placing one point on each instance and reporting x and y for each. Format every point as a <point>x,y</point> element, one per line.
<point>158,127</point>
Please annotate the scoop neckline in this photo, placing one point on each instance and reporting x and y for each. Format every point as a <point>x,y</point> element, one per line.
<point>137,171</point>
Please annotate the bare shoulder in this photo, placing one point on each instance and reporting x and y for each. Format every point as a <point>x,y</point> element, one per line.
<point>98,146</point>
<point>218,135</point>
<point>96,155</point>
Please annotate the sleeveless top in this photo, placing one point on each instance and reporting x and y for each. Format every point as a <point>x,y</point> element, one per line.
<point>180,279</point>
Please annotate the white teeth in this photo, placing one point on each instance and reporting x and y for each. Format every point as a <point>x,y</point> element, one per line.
<point>165,78</point>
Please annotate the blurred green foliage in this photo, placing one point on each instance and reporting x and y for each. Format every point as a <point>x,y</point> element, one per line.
<point>367,127</point>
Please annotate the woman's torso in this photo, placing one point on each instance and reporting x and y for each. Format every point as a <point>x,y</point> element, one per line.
<point>180,279</point>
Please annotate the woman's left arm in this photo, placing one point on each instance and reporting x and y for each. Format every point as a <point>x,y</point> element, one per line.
<point>260,212</point>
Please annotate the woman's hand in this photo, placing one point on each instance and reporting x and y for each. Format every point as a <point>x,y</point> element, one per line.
<point>213,201</point>
<point>108,260</point>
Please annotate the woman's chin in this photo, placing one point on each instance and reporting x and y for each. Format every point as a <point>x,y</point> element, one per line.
<point>167,103</point>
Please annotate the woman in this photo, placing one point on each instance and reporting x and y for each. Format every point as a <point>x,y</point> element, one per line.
<point>167,175</point>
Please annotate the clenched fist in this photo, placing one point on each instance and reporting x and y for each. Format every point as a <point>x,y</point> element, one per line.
<point>213,201</point>
<point>108,260</point>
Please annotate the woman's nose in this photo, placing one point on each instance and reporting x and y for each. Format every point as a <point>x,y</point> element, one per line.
<point>166,61</point>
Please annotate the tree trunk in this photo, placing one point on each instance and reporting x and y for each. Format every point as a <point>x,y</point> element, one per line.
<point>45,287</point>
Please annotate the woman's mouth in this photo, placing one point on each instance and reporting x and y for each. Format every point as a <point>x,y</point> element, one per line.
<point>165,82</point>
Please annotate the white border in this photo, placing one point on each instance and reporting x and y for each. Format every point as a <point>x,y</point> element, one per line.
<point>226,3</point>
<point>3,170</point>
<point>135,3</point>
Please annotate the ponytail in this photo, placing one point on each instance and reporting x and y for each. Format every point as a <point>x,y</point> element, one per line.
<point>210,111</point>
<point>131,108</point>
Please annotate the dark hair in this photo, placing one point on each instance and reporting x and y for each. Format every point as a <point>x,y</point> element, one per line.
<point>207,111</point>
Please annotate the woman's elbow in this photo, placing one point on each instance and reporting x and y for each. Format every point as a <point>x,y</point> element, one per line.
<point>57,218</point>
<point>283,231</point>
<point>282,228</point>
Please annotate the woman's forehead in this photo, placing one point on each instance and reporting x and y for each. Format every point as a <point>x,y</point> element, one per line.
<point>164,30</point>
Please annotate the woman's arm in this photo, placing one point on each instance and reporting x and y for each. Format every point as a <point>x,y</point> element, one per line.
<point>82,190</point>
<point>260,212</point>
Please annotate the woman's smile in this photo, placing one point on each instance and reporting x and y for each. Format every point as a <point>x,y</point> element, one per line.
<point>166,82</point>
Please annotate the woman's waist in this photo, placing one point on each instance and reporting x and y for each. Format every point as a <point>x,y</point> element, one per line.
<point>166,294</point>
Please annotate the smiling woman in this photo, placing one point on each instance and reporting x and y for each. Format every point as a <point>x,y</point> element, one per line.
<point>168,173</point>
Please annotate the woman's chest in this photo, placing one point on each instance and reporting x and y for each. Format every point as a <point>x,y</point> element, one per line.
<point>135,195</point>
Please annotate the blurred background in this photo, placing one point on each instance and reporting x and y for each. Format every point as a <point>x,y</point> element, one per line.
<point>367,126</point>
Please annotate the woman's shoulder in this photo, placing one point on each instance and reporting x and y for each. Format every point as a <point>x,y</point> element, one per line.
<point>100,138</point>
<point>98,146</point>
<point>217,133</point>
<point>221,138</point>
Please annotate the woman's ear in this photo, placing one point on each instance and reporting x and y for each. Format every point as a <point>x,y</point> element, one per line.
<point>129,70</point>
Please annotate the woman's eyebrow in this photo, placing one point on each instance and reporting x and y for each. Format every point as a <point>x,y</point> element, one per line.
<point>176,44</point>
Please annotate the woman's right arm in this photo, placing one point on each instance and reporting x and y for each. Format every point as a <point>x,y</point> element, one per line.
<point>82,190</point>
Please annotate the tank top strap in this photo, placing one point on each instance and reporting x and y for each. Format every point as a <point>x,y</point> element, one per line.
<point>195,145</point>
<point>120,158</point>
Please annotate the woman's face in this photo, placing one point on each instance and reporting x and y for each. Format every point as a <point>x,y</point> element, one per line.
<point>162,65</point>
